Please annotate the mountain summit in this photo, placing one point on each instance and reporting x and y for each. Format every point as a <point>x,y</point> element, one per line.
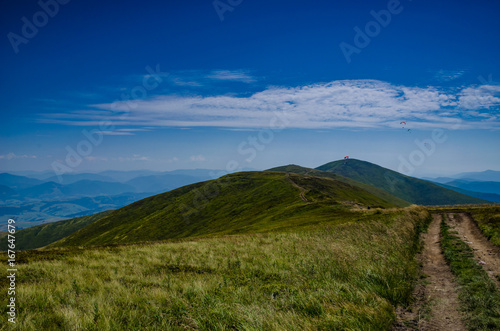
<point>408,188</point>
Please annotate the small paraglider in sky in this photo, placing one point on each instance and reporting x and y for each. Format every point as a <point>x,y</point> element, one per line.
<point>345,159</point>
<point>404,123</point>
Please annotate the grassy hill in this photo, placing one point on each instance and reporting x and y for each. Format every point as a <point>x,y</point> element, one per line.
<point>41,235</point>
<point>236,203</point>
<point>411,189</point>
<point>318,173</point>
<point>347,274</point>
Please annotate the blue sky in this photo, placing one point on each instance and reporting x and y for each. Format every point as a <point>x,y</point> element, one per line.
<point>163,85</point>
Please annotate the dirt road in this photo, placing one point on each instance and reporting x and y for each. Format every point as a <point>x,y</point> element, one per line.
<point>484,250</point>
<point>436,298</point>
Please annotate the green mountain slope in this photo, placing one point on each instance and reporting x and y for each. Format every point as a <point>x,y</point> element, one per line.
<point>42,235</point>
<point>237,203</point>
<point>318,173</point>
<point>411,189</point>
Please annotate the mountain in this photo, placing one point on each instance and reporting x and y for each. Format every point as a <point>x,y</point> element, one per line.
<point>318,173</point>
<point>235,203</point>
<point>52,190</point>
<point>163,182</point>
<point>18,182</point>
<point>49,190</point>
<point>488,175</point>
<point>481,195</point>
<point>42,235</point>
<point>41,175</point>
<point>95,188</point>
<point>440,180</point>
<point>123,176</point>
<point>6,192</point>
<point>411,189</point>
<point>476,186</point>
<point>73,178</point>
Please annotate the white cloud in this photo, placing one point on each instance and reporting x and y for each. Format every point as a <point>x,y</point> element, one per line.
<point>338,104</point>
<point>233,75</point>
<point>95,158</point>
<point>13,156</point>
<point>134,157</point>
<point>197,158</point>
<point>482,97</point>
<point>116,133</point>
<point>448,75</point>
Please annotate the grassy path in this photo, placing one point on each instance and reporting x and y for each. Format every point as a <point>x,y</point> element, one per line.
<point>441,287</point>
<point>487,254</point>
<point>437,305</point>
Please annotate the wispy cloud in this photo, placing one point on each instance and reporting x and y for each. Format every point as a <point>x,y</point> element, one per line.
<point>134,157</point>
<point>338,104</point>
<point>448,75</point>
<point>116,133</point>
<point>197,158</point>
<point>13,156</point>
<point>95,158</point>
<point>233,75</point>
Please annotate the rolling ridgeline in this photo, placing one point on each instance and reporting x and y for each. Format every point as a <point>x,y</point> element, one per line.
<point>287,249</point>
<point>281,198</point>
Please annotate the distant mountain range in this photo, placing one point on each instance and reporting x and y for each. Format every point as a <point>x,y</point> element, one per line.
<point>34,201</point>
<point>15,182</point>
<point>484,184</point>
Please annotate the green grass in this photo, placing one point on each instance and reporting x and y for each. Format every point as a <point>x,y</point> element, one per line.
<point>246,202</point>
<point>479,296</point>
<point>330,276</point>
<point>44,234</point>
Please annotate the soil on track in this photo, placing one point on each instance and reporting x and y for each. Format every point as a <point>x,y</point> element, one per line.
<point>436,306</point>
<point>484,250</point>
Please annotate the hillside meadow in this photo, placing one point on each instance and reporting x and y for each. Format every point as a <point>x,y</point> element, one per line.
<point>346,274</point>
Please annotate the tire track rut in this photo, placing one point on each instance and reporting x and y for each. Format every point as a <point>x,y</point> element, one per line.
<point>487,254</point>
<point>437,293</point>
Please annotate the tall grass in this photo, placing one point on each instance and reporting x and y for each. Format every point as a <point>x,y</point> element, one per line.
<point>348,276</point>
